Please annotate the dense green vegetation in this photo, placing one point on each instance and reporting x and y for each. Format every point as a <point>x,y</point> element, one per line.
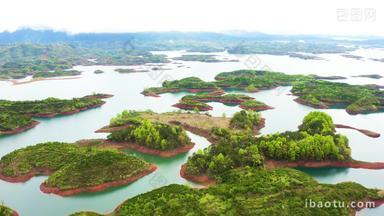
<point>213,97</point>
<point>47,60</point>
<point>254,79</point>
<point>249,80</point>
<point>311,91</point>
<point>95,167</point>
<point>126,117</point>
<point>5,211</point>
<point>16,114</point>
<point>253,105</point>
<point>355,98</point>
<point>248,191</point>
<point>189,83</point>
<point>192,105</point>
<point>52,156</point>
<point>315,140</point>
<point>199,101</point>
<point>245,120</point>
<point>72,166</point>
<point>154,135</point>
<point>56,74</point>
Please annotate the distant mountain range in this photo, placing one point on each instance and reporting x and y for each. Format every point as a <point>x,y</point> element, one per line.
<point>50,36</point>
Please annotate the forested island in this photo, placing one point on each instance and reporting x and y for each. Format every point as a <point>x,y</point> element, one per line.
<point>5,211</point>
<point>55,60</point>
<point>311,90</point>
<point>17,116</point>
<point>134,130</point>
<point>201,124</point>
<point>199,101</point>
<point>72,169</point>
<point>315,144</point>
<point>130,70</point>
<point>249,191</point>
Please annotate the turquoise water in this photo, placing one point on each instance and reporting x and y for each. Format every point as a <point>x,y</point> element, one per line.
<point>27,199</point>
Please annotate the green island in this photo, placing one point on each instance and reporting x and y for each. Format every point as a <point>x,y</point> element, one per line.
<point>130,70</point>
<point>190,84</point>
<point>56,74</point>
<point>55,60</point>
<point>17,116</point>
<point>311,90</point>
<point>315,144</point>
<point>72,169</point>
<point>203,58</point>
<point>354,99</point>
<point>199,100</point>
<point>202,124</point>
<point>5,211</point>
<point>133,130</point>
<point>192,105</point>
<point>249,191</point>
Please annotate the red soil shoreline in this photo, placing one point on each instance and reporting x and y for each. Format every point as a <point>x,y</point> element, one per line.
<point>14,213</point>
<point>192,107</point>
<point>363,131</point>
<point>306,103</point>
<point>202,179</point>
<point>51,115</point>
<point>139,148</point>
<point>108,129</point>
<point>20,129</point>
<point>259,108</point>
<point>318,164</point>
<point>46,189</point>
<point>25,177</point>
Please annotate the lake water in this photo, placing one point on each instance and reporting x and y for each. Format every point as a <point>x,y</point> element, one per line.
<point>27,199</point>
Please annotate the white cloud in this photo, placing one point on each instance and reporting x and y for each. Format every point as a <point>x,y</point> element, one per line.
<point>271,16</point>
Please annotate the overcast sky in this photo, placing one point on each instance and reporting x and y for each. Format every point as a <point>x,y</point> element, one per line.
<point>337,17</point>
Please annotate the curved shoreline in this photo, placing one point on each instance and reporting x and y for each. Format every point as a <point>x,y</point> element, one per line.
<point>125,145</point>
<point>51,115</point>
<point>260,108</point>
<point>319,164</point>
<point>306,103</point>
<point>192,107</point>
<point>202,179</point>
<point>27,176</point>
<point>46,189</point>
<point>363,131</point>
<point>33,124</point>
<point>175,90</point>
